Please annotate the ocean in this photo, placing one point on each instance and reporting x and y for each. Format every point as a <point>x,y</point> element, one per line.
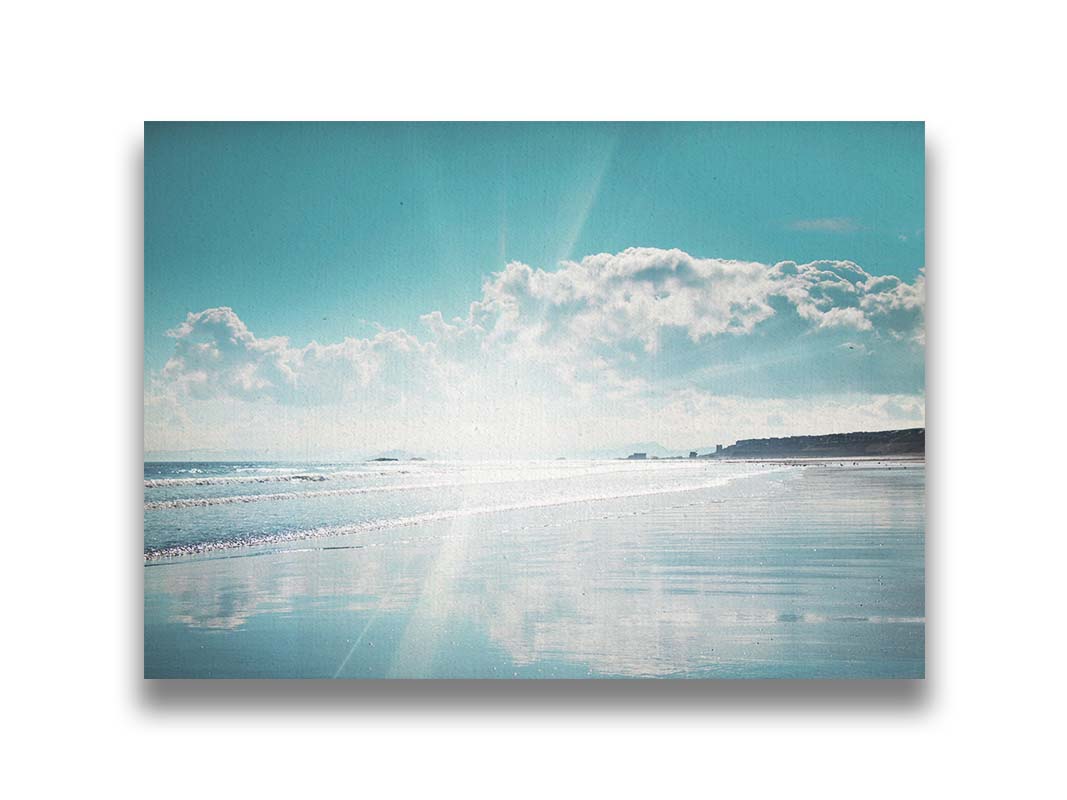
<point>536,569</point>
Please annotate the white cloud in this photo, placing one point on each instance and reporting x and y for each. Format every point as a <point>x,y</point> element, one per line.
<point>825,225</point>
<point>216,355</point>
<point>636,345</point>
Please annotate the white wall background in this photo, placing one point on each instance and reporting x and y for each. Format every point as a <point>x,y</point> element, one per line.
<point>80,78</point>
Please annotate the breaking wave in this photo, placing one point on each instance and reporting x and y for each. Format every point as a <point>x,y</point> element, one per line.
<point>221,480</point>
<point>199,502</point>
<point>415,519</point>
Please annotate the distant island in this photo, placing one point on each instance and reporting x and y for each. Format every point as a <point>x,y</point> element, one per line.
<point>397,455</point>
<point>905,442</point>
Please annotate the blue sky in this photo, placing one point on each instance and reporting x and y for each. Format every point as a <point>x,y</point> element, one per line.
<point>330,233</point>
<point>292,223</point>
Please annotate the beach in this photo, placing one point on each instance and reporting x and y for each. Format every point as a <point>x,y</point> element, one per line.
<point>551,571</point>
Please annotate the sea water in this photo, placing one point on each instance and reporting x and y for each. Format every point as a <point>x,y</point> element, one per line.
<point>696,568</point>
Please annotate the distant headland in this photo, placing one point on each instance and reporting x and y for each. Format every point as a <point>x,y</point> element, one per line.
<point>906,442</point>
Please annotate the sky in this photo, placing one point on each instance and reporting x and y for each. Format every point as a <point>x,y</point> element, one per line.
<point>542,289</point>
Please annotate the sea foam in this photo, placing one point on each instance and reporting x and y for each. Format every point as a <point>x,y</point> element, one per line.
<point>252,540</point>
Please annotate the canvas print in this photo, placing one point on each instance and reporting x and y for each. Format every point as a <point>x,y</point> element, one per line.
<point>534,400</point>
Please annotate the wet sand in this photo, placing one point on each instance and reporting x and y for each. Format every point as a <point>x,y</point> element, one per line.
<point>812,572</point>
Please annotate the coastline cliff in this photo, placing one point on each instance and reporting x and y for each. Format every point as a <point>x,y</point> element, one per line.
<point>906,442</point>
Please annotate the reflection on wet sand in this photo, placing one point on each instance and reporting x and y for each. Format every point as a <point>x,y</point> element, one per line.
<point>816,573</point>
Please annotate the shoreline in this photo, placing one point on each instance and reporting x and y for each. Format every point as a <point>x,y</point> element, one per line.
<point>814,576</point>
<point>171,553</point>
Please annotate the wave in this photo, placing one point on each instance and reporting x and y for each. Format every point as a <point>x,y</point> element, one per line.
<point>198,502</point>
<point>222,480</point>
<point>253,540</point>
<point>291,476</point>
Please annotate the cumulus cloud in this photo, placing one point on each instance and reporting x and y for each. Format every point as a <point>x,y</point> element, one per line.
<point>216,355</point>
<point>825,225</point>
<point>627,297</point>
<point>613,340</point>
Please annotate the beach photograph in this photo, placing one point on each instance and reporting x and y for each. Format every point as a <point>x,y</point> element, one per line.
<point>534,400</point>
<point>512,401</point>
